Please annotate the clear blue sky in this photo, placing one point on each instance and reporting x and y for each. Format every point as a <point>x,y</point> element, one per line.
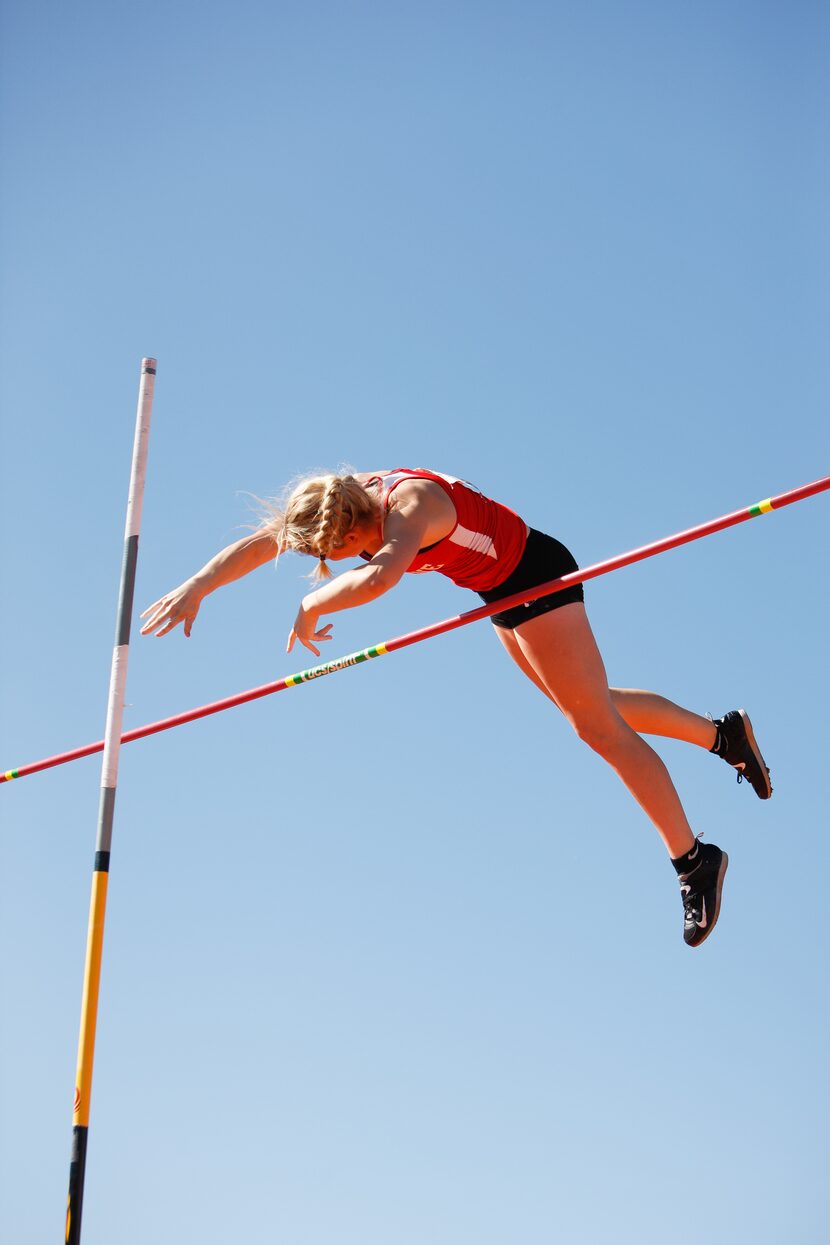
<point>393,957</point>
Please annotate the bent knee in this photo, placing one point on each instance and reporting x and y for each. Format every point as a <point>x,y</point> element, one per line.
<point>605,732</point>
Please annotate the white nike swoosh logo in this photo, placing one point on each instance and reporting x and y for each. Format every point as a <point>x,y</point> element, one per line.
<point>702,923</point>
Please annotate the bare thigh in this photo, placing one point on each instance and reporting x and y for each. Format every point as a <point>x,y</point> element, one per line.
<point>559,653</point>
<point>508,639</point>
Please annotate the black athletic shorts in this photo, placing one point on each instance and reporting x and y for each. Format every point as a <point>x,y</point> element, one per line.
<point>544,558</point>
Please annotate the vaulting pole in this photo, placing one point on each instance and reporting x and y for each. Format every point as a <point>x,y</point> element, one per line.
<point>449,624</point>
<point>109,780</point>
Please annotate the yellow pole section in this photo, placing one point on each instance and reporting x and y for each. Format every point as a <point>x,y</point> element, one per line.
<point>89,1001</point>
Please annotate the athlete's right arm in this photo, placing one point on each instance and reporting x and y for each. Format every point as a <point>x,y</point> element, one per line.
<point>182,604</point>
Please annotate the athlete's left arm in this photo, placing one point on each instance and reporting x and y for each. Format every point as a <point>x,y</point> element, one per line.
<point>403,532</point>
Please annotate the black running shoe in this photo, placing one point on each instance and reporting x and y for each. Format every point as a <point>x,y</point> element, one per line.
<point>701,890</point>
<point>740,750</point>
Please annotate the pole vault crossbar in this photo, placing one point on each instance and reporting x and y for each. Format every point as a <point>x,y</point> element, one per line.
<point>439,628</point>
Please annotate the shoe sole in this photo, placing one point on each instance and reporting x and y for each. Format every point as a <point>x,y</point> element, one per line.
<point>724,864</point>
<point>756,752</point>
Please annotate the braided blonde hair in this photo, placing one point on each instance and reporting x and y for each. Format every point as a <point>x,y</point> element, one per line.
<point>318,513</point>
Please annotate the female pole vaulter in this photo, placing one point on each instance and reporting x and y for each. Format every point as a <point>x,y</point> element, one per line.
<point>415,520</point>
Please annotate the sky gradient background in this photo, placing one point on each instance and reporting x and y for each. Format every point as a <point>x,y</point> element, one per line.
<point>393,957</point>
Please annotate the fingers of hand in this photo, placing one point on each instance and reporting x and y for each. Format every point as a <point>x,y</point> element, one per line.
<point>306,644</point>
<point>319,636</point>
<point>170,610</point>
<point>155,612</point>
<point>307,641</point>
<point>165,619</point>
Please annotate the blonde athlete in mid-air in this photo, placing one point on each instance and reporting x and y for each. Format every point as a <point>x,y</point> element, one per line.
<point>418,520</point>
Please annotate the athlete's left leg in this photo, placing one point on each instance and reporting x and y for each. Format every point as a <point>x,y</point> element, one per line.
<point>650,714</point>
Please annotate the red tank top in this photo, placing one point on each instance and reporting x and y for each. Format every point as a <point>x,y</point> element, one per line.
<point>486,543</point>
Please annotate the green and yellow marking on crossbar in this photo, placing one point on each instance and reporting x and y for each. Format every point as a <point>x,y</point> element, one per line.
<point>761,507</point>
<point>340,663</point>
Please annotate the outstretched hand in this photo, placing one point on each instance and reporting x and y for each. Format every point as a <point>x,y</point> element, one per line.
<point>179,606</point>
<point>305,630</point>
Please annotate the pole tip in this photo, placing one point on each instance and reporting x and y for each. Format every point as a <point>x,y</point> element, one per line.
<point>148,365</point>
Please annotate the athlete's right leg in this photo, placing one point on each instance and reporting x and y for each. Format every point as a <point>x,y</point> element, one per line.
<point>575,682</point>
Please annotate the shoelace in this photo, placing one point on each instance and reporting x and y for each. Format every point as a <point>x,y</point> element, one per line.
<point>742,772</point>
<point>691,910</point>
